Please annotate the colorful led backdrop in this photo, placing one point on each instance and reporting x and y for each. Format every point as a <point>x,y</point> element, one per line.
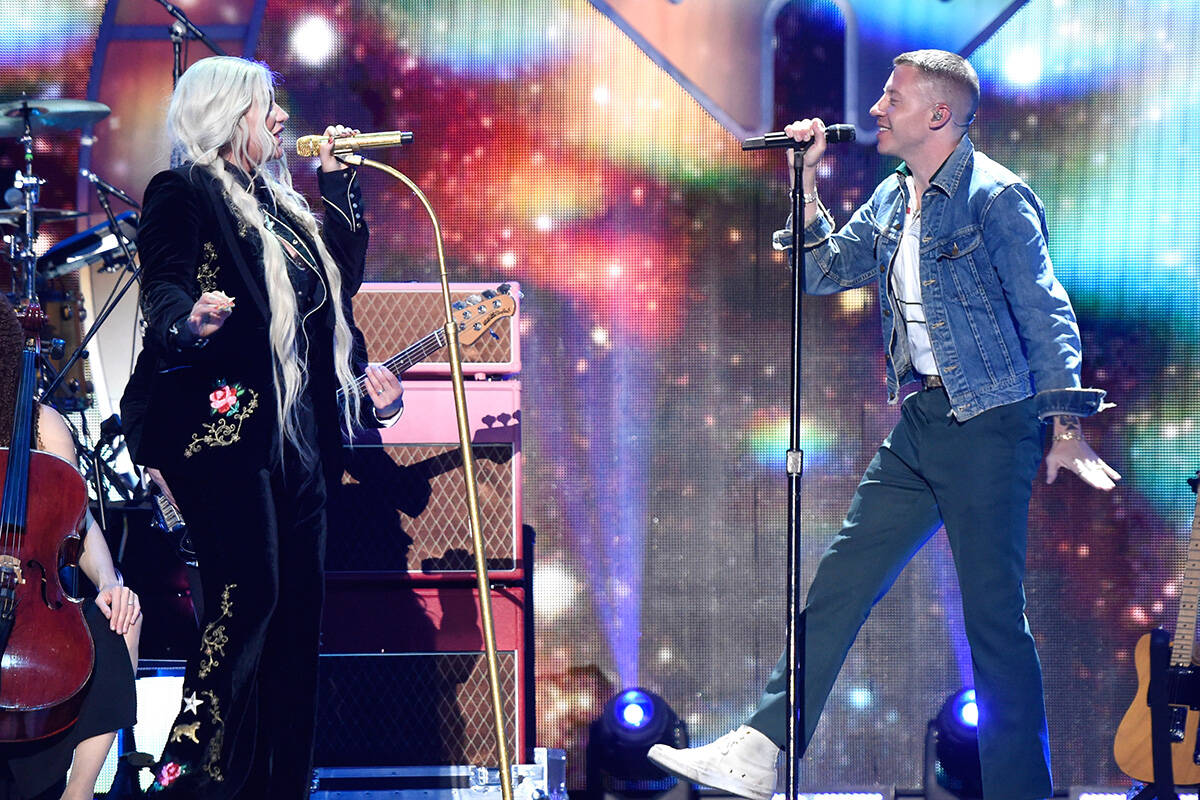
<point>656,326</point>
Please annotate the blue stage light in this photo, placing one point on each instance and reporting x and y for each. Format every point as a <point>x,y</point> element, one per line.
<point>632,721</point>
<point>966,709</point>
<point>634,709</point>
<point>952,750</point>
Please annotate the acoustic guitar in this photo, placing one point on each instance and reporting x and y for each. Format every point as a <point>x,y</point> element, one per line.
<point>1131,747</point>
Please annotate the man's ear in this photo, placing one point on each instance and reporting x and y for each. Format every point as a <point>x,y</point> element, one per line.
<point>940,116</point>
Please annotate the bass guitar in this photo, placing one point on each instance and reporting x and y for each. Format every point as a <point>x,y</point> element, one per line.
<point>1131,747</point>
<point>473,317</point>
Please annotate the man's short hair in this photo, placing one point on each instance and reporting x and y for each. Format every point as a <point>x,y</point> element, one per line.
<point>947,72</point>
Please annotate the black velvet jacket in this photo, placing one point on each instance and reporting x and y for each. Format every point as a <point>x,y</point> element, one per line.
<point>209,405</point>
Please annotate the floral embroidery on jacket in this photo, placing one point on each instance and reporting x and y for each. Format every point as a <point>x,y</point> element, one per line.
<point>217,740</point>
<point>226,403</point>
<point>167,774</point>
<point>213,642</point>
<point>206,273</point>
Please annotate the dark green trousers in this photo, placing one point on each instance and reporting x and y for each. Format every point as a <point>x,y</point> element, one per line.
<point>975,477</point>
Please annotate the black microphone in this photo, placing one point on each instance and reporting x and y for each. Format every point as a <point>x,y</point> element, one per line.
<point>834,134</point>
<point>107,187</point>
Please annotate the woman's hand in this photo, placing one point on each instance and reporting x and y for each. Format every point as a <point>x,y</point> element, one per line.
<point>325,151</point>
<point>385,391</point>
<point>120,605</point>
<point>209,313</point>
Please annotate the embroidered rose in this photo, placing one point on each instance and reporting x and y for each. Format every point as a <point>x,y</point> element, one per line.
<point>225,403</point>
<point>224,399</point>
<point>169,772</point>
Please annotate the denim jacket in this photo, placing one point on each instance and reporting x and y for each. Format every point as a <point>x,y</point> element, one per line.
<point>1001,326</point>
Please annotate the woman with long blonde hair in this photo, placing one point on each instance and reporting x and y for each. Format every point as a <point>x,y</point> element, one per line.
<point>245,297</point>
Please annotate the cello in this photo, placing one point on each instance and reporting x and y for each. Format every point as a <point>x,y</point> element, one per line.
<point>47,648</point>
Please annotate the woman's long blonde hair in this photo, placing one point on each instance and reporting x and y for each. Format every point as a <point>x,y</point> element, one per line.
<point>207,125</point>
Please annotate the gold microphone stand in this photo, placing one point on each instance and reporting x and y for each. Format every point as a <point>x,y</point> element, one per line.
<point>468,457</point>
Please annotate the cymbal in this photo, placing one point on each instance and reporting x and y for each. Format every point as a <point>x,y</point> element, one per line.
<point>52,113</point>
<point>16,216</point>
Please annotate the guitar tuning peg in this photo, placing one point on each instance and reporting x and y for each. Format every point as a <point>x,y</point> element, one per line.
<point>495,335</point>
<point>474,299</point>
<point>488,294</point>
<point>503,288</point>
<point>458,305</point>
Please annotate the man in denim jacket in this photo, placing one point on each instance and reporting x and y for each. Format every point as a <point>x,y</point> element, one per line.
<point>972,313</point>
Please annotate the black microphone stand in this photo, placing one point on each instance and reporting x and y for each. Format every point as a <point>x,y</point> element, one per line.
<point>177,33</point>
<point>182,29</point>
<point>106,312</point>
<point>794,747</point>
<point>102,193</point>
<point>135,276</point>
<point>794,643</point>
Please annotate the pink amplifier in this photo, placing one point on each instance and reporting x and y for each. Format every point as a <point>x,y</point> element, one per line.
<point>406,511</point>
<point>393,316</point>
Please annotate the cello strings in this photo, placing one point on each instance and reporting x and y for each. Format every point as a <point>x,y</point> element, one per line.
<point>16,489</point>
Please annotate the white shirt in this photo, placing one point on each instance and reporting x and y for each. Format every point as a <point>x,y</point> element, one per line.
<point>906,288</point>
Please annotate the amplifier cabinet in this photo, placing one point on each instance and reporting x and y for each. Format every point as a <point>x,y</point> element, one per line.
<point>403,507</point>
<point>394,315</point>
<point>403,676</point>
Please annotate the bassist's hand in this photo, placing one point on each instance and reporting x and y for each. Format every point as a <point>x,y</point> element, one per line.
<point>385,390</point>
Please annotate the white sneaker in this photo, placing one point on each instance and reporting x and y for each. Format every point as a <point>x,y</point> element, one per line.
<point>741,762</point>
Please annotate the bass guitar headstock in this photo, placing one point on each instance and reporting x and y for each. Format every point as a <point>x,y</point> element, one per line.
<point>476,315</point>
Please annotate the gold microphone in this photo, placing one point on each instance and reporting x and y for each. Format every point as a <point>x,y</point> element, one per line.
<point>308,145</point>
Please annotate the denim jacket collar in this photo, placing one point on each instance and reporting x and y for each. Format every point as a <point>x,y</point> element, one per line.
<point>951,172</point>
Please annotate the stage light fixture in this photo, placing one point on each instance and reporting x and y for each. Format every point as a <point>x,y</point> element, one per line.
<point>630,723</point>
<point>1113,793</point>
<point>633,709</point>
<point>952,750</point>
<point>965,709</point>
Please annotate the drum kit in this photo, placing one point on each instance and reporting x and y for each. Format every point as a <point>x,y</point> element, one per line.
<point>109,245</point>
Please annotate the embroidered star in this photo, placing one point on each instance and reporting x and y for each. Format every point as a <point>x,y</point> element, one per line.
<point>192,703</point>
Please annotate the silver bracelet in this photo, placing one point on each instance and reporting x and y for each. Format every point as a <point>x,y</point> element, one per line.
<point>1067,436</point>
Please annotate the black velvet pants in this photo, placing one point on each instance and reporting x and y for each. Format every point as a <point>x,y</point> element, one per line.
<point>245,727</point>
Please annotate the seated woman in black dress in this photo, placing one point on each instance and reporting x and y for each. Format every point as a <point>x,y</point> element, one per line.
<point>38,769</point>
